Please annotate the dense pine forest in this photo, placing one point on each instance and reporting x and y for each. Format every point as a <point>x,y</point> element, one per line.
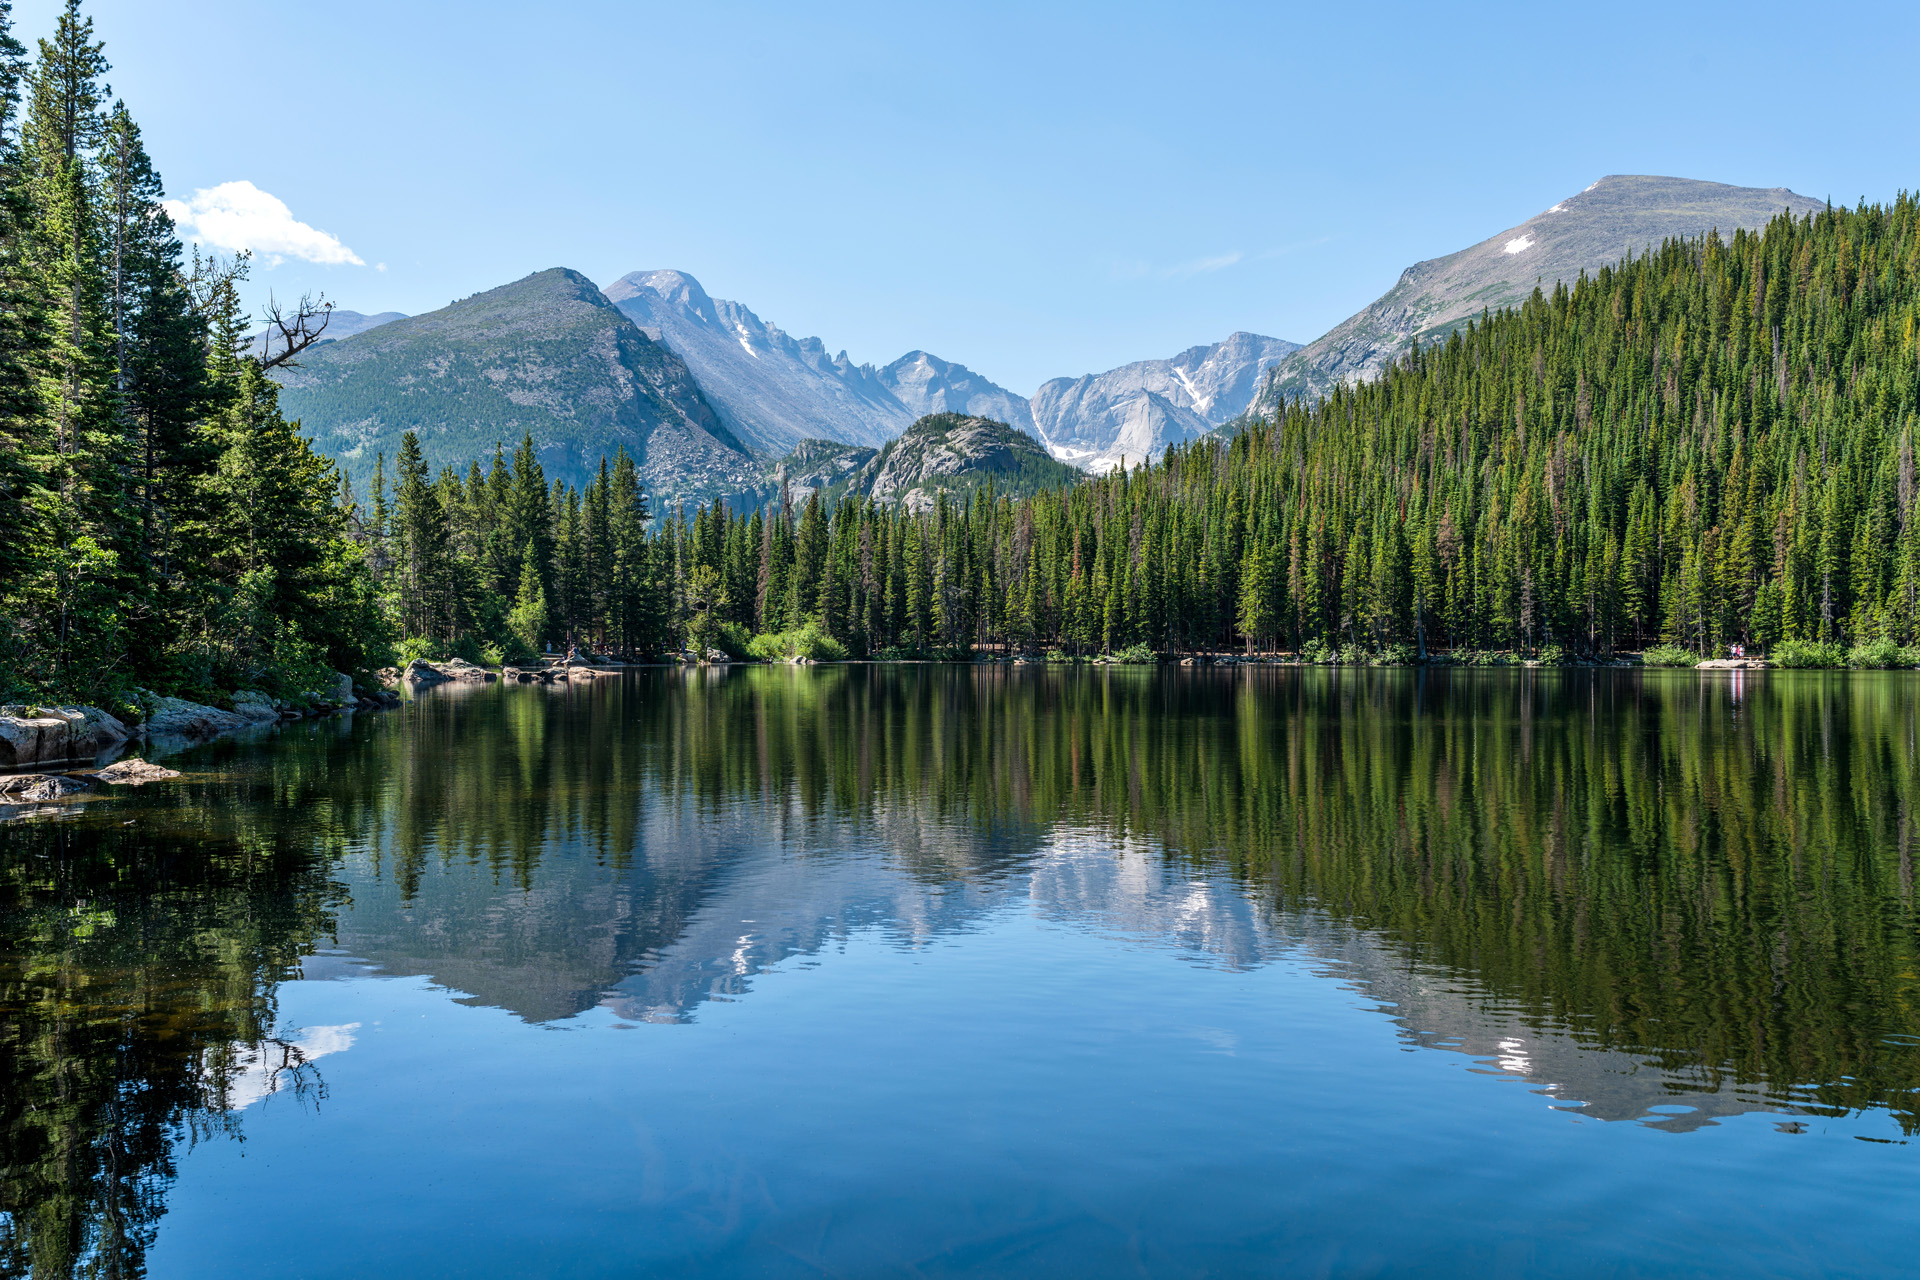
<point>160,522</point>
<point>1710,444</point>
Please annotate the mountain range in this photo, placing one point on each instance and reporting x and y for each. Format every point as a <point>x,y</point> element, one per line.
<point>715,402</point>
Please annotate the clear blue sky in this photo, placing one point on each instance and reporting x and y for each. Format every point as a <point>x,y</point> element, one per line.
<point>1031,190</point>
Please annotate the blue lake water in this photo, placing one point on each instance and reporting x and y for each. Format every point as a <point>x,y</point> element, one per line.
<point>956,971</point>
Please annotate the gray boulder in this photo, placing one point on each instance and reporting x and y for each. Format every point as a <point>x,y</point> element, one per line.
<point>420,671</point>
<point>45,735</point>
<point>178,718</point>
<point>255,707</point>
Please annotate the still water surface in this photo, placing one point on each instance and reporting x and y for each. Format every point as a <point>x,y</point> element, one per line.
<point>957,971</point>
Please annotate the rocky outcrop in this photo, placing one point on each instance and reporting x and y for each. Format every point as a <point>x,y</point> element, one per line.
<point>421,674</point>
<point>133,772</point>
<point>51,735</point>
<point>178,718</point>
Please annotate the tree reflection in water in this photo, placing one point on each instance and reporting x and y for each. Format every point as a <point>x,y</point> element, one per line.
<point>1576,876</point>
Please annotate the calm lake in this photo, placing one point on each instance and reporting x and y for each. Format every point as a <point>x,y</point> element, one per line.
<point>945,970</point>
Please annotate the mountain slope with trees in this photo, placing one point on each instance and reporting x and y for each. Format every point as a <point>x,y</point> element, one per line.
<point>1616,217</point>
<point>547,356</point>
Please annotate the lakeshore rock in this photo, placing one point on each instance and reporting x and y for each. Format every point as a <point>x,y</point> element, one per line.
<point>255,707</point>
<point>45,735</point>
<point>1732,664</point>
<point>178,718</point>
<point>422,672</point>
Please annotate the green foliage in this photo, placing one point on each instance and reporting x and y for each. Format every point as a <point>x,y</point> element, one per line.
<point>416,649</point>
<point>807,641</point>
<point>1883,653</point>
<point>1807,653</point>
<point>1669,655</point>
<point>1139,652</point>
<point>1317,651</point>
<point>1553,655</point>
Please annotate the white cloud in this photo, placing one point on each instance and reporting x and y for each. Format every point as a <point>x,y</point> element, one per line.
<point>238,215</point>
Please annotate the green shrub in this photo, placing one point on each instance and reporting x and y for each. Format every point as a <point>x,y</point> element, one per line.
<point>1394,655</point>
<point>414,648</point>
<point>1142,652</point>
<point>1552,655</point>
<point>1670,655</point>
<point>736,641</point>
<point>1883,653</point>
<point>1060,655</point>
<point>1351,655</point>
<point>1807,653</point>
<point>1318,652</point>
<point>810,642</point>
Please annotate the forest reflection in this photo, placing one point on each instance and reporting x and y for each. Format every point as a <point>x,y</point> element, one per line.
<point>1623,887</point>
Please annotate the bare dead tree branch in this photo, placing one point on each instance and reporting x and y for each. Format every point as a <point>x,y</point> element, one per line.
<point>293,330</point>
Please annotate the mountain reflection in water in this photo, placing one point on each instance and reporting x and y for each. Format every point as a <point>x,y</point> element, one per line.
<point>1657,897</point>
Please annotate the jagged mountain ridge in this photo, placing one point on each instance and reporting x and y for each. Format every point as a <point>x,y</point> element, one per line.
<point>547,355</point>
<point>1618,216</point>
<point>1134,412</point>
<point>771,388</point>
<point>776,390</point>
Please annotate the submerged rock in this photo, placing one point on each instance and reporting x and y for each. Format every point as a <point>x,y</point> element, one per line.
<point>35,788</point>
<point>134,772</point>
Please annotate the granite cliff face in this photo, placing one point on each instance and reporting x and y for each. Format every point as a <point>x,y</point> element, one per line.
<point>1616,217</point>
<point>1134,412</point>
<point>772,389</point>
<point>775,390</point>
<point>925,384</point>
<point>547,355</point>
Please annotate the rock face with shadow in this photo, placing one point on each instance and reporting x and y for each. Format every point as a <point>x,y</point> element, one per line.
<point>33,735</point>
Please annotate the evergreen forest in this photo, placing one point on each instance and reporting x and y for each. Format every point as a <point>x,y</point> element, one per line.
<point>1710,444</point>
